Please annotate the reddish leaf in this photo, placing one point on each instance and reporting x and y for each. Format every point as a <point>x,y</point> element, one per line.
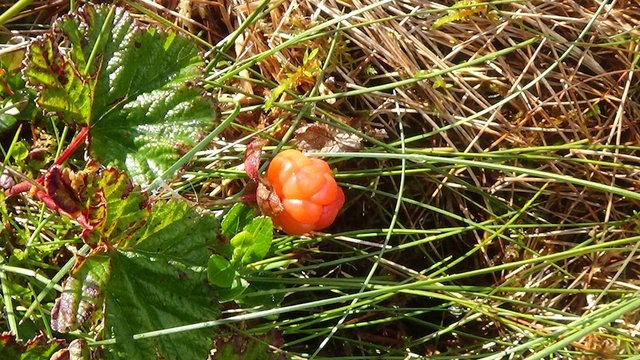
<point>37,348</point>
<point>63,187</point>
<point>134,87</point>
<point>102,200</point>
<point>252,159</point>
<point>116,209</point>
<point>82,294</point>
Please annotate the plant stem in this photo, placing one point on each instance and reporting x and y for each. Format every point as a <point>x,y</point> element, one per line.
<point>53,283</point>
<point>199,146</point>
<point>8,304</point>
<point>13,10</point>
<point>73,146</point>
<point>100,40</point>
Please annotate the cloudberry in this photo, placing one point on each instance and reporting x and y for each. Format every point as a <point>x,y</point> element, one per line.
<point>310,196</point>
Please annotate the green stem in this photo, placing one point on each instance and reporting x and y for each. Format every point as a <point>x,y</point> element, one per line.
<point>394,220</point>
<point>486,165</point>
<point>379,292</point>
<point>199,146</point>
<point>53,283</point>
<point>8,305</point>
<point>100,40</point>
<point>573,331</point>
<point>13,10</point>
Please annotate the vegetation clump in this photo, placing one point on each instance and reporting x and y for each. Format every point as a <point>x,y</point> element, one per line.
<point>482,157</point>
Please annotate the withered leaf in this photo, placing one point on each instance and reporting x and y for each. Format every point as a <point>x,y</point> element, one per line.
<point>318,137</point>
<point>63,187</point>
<point>268,201</point>
<point>77,350</point>
<point>252,157</point>
<point>82,293</point>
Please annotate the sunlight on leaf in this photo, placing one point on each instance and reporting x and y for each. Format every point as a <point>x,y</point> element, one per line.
<point>144,110</point>
<point>147,270</point>
<point>253,243</point>
<point>147,294</point>
<point>236,219</point>
<point>221,272</point>
<point>177,231</point>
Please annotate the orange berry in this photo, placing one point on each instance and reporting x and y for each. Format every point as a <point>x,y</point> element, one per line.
<point>310,196</point>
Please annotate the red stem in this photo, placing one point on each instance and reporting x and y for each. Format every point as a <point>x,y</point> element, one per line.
<point>73,145</point>
<point>19,188</point>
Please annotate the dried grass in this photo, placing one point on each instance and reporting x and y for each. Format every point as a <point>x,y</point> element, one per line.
<point>591,94</point>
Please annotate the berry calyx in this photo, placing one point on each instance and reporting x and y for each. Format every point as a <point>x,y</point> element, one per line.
<point>310,196</point>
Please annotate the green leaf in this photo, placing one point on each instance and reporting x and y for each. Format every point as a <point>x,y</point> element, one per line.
<point>253,243</point>
<point>135,87</point>
<point>238,287</point>
<point>6,122</point>
<point>59,90</point>
<point>116,209</point>
<point>178,232</point>
<point>236,219</point>
<point>220,271</point>
<point>146,294</point>
<point>237,346</point>
<point>19,151</point>
<point>147,271</point>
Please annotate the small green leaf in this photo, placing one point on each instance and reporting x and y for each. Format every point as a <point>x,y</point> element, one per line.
<point>276,92</point>
<point>236,219</point>
<point>253,243</point>
<point>6,122</point>
<point>220,271</point>
<point>238,286</point>
<point>241,243</point>
<point>261,231</point>
<point>308,56</point>
<point>19,151</point>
